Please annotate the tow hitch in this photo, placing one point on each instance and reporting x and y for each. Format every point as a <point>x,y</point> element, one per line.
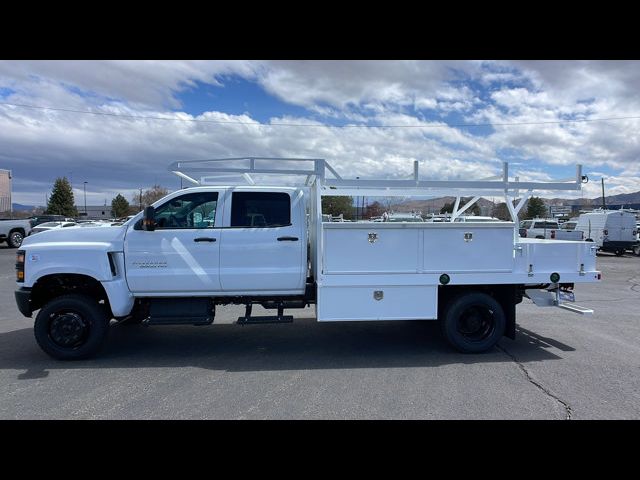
<point>557,296</point>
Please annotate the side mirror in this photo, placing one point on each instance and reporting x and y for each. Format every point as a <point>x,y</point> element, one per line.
<point>149,219</point>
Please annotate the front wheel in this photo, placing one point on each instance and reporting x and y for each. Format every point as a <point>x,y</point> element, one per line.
<point>15,239</point>
<point>636,250</point>
<point>473,322</point>
<point>71,327</point>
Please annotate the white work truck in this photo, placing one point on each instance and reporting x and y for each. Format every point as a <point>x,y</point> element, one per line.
<point>213,245</point>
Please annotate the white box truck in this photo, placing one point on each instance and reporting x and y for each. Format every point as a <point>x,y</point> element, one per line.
<point>201,248</point>
<point>612,231</point>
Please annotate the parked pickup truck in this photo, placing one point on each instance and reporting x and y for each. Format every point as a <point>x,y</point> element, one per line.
<point>14,231</point>
<point>548,228</point>
<point>201,248</point>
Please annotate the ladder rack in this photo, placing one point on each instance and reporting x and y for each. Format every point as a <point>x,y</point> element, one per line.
<point>319,174</point>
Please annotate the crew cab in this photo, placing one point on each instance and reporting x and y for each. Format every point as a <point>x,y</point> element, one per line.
<point>204,247</point>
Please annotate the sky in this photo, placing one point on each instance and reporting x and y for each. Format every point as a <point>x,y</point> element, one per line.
<point>373,119</point>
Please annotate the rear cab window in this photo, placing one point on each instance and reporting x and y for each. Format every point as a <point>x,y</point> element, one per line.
<point>260,209</point>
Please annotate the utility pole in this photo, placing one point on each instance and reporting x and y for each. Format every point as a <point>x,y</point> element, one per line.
<point>604,205</point>
<point>84,186</point>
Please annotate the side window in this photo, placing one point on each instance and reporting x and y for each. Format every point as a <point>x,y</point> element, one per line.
<point>260,209</point>
<point>193,210</point>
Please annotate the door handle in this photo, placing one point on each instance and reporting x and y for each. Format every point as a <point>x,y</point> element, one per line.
<point>287,239</point>
<point>204,239</point>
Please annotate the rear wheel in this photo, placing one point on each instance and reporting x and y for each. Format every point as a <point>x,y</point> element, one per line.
<point>71,327</point>
<point>15,239</point>
<point>473,322</point>
<point>619,252</point>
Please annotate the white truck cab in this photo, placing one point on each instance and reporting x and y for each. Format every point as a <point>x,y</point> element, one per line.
<point>212,245</point>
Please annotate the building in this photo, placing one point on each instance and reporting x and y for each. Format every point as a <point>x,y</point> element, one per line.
<point>94,212</point>
<point>5,191</point>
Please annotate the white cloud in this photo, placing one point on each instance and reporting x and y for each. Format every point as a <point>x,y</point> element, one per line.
<point>118,153</point>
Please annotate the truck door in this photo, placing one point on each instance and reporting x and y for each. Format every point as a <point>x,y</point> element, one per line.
<point>264,247</point>
<point>183,253</point>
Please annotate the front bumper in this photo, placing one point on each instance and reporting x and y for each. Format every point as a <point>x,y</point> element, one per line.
<point>23,300</point>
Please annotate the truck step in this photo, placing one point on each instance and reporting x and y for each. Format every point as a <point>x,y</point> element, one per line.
<point>265,319</point>
<point>179,321</point>
<point>180,311</point>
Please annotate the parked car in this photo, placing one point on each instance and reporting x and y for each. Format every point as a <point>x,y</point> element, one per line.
<point>548,228</point>
<point>14,231</point>
<point>43,227</point>
<point>40,219</point>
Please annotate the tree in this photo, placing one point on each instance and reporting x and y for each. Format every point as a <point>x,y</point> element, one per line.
<point>119,206</point>
<point>536,208</point>
<point>501,211</point>
<point>61,201</point>
<point>448,207</point>
<point>374,210</point>
<point>338,205</point>
<point>149,196</point>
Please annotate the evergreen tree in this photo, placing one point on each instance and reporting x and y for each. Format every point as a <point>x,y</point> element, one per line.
<point>119,206</point>
<point>61,201</point>
<point>536,208</point>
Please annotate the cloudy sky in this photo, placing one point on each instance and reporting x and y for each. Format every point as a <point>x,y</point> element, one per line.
<point>459,119</point>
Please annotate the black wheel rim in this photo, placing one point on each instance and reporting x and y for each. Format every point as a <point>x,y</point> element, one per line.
<point>476,323</point>
<point>68,329</point>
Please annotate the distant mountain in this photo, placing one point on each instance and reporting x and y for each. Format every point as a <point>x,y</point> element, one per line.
<point>18,207</point>
<point>434,205</point>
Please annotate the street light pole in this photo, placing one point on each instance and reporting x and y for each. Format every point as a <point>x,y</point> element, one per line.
<point>84,186</point>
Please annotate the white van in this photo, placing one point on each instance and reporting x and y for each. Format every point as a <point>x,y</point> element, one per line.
<point>612,230</point>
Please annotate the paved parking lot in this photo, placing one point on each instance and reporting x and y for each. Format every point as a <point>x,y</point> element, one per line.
<point>561,366</point>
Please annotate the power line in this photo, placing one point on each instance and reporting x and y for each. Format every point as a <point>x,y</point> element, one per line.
<point>235,122</point>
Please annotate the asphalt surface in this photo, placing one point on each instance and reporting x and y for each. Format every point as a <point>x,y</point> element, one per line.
<point>561,366</point>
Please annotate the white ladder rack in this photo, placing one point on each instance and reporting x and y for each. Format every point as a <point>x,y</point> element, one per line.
<point>318,173</point>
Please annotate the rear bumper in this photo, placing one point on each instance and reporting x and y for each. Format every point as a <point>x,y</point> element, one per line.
<point>23,300</point>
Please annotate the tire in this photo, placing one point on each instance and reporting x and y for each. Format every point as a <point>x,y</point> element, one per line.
<point>636,251</point>
<point>15,238</point>
<point>71,327</point>
<point>473,322</point>
<point>619,252</point>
